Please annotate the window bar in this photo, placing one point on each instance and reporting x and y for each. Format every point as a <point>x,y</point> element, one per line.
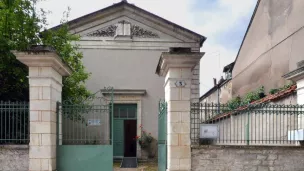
<point>266,124</point>
<point>1,121</point>
<point>24,120</point>
<point>255,128</point>
<point>290,128</point>
<point>294,121</point>
<point>273,113</point>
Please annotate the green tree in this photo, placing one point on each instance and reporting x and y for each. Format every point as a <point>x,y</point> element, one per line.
<point>20,27</point>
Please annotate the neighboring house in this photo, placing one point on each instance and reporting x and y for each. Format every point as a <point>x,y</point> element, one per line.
<point>121,45</point>
<point>221,92</point>
<point>271,47</point>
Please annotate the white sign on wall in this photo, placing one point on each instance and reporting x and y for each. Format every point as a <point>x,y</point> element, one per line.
<point>296,135</point>
<point>209,131</point>
<point>93,122</point>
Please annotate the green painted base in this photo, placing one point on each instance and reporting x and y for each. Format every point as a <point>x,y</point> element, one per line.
<point>85,157</point>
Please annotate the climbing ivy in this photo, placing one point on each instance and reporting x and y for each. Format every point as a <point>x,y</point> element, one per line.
<point>285,87</point>
<point>253,96</point>
<point>248,98</point>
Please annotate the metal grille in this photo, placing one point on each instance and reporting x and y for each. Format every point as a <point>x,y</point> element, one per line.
<point>162,123</point>
<point>85,122</point>
<point>14,122</point>
<point>162,136</point>
<point>254,124</point>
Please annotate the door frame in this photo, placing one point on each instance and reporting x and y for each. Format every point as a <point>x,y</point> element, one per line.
<point>138,122</point>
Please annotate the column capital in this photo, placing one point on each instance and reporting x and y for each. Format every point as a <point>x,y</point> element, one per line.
<point>177,60</point>
<point>43,56</point>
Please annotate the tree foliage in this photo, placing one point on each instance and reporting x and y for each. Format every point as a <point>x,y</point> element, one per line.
<point>20,26</point>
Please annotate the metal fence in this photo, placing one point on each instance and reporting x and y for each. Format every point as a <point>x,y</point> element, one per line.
<point>86,121</point>
<point>254,124</point>
<point>85,124</point>
<point>14,122</point>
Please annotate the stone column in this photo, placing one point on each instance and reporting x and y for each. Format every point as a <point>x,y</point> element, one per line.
<point>297,76</point>
<point>45,78</point>
<point>177,69</point>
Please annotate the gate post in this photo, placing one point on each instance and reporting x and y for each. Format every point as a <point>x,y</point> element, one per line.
<point>45,85</point>
<point>177,69</point>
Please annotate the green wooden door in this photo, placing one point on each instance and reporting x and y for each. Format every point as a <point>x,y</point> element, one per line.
<point>118,145</point>
<point>122,112</point>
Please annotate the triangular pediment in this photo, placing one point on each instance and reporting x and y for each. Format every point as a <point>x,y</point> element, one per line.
<point>125,27</point>
<point>107,23</point>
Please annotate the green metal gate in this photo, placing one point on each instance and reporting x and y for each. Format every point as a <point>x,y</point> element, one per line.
<point>162,136</point>
<point>85,135</point>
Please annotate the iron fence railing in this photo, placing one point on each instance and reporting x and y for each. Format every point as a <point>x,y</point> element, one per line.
<point>254,124</point>
<point>14,122</point>
<point>162,122</point>
<point>83,124</point>
<point>86,121</point>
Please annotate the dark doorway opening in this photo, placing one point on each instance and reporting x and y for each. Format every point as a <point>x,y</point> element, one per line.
<point>130,141</point>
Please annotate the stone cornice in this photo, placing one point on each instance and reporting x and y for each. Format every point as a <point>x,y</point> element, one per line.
<point>295,75</point>
<point>125,92</point>
<point>43,59</point>
<point>177,60</point>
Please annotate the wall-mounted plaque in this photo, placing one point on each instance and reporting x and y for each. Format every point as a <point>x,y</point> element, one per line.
<point>209,131</point>
<point>93,122</point>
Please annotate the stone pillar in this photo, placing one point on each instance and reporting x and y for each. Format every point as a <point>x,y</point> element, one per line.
<point>45,78</point>
<point>177,69</point>
<point>298,77</point>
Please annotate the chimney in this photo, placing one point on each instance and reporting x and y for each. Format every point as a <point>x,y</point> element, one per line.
<point>222,79</point>
<point>214,81</point>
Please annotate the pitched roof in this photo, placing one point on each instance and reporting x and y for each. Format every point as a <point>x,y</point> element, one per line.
<point>124,4</point>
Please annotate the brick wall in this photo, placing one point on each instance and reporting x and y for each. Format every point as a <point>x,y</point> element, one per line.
<point>220,158</point>
<point>14,158</point>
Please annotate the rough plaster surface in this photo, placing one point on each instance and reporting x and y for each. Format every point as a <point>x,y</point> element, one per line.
<point>220,158</point>
<point>272,47</point>
<point>14,158</point>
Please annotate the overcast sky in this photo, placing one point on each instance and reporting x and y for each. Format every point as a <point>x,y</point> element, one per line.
<point>223,22</point>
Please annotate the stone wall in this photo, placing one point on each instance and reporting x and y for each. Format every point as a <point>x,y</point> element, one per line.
<point>195,88</point>
<point>228,158</point>
<point>14,158</point>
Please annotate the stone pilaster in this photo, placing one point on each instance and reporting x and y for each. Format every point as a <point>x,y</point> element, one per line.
<point>45,78</point>
<point>178,71</point>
